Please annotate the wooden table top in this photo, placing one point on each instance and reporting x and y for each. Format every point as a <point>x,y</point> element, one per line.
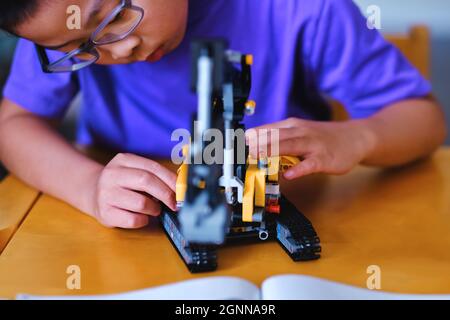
<point>16,199</point>
<point>397,219</point>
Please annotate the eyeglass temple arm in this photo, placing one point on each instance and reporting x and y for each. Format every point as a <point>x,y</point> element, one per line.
<point>43,58</point>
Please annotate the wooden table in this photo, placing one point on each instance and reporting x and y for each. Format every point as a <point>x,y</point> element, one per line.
<point>396,219</point>
<point>16,200</point>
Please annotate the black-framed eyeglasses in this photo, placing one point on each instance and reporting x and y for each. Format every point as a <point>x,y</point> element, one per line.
<point>118,25</point>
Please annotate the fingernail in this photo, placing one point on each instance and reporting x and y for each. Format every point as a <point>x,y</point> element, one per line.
<point>289,174</point>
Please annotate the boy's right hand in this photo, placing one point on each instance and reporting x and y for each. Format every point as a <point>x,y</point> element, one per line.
<point>129,190</point>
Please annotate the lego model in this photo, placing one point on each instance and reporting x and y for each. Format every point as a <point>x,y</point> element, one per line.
<point>237,198</point>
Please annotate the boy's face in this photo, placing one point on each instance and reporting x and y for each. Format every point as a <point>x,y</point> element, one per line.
<point>161,30</point>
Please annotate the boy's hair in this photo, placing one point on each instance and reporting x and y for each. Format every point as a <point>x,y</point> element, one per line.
<point>14,12</point>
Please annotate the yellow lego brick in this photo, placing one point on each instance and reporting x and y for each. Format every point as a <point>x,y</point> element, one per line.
<point>249,59</point>
<point>260,188</point>
<point>250,104</point>
<point>288,162</point>
<point>251,161</point>
<point>181,186</point>
<point>274,169</point>
<point>250,107</point>
<point>249,193</point>
<point>185,151</point>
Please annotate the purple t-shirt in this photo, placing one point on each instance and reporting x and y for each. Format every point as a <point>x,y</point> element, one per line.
<point>305,52</point>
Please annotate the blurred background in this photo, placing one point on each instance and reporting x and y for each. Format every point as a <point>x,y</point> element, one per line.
<point>396,17</point>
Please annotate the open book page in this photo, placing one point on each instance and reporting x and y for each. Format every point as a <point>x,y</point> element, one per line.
<point>297,287</point>
<point>212,288</point>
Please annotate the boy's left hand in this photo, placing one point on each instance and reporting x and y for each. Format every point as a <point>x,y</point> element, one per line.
<point>323,147</point>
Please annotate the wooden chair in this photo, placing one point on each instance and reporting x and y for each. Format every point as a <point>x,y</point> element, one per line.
<point>415,45</point>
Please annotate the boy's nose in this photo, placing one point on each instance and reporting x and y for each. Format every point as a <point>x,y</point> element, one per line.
<point>123,49</point>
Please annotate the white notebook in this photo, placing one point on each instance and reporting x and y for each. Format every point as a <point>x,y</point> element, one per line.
<point>283,287</point>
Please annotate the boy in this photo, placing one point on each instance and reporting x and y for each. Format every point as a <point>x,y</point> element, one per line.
<point>132,59</point>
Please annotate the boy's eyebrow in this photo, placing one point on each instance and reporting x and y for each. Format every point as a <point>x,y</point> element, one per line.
<point>95,10</point>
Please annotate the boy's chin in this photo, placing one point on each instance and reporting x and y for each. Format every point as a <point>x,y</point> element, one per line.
<point>157,55</point>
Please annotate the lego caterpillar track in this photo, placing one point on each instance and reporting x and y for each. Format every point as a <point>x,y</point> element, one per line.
<point>198,258</point>
<point>235,198</point>
<point>296,234</point>
<point>291,228</point>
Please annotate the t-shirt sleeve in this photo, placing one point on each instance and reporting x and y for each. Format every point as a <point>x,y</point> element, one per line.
<point>356,65</point>
<point>47,95</point>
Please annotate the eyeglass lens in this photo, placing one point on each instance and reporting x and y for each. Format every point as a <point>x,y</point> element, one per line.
<point>118,28</point>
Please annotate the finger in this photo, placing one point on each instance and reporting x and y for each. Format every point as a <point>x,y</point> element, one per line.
<point>164,174</point>
<point>135,202</point>
<point>120,218</point>
<point>255,135</point>
<point>283,134</point>
<point>291,147</point>
<point>304,168</point>
<point>144,181</point>
<point>296,147</point>
<point>267,142</point>
<point>273,134</point>
<point>258,140</point>
<point>287,123</point>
